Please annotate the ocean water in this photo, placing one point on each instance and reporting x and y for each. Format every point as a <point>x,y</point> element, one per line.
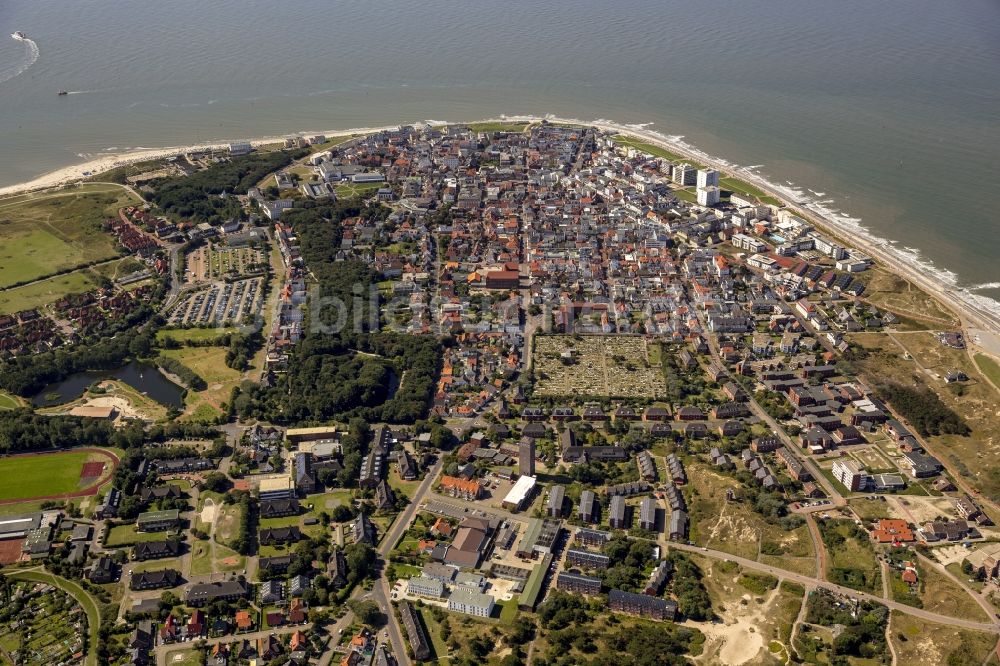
<point>887,111</point>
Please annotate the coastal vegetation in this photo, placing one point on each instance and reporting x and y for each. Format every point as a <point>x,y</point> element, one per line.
<point>574,629</point>
<point>59,230</point>
<point>989,367</point>
<point>923,409</point>
<point>862,633</point>
<point>198,197</point>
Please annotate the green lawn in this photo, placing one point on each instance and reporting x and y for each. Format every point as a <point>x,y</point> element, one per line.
<point>434,632</point>
<point>46,233</point>
<point>26,477</point>
<point>121,535</point>
<point>348,190</point>
<point>498,127</point>
<point>40,294</point>
<point>185,658</point>
<point>209,363</point>
<point>685,195</point>
<point>508,611</point>
<point>191,334</point>
<point>988,367</point>
<point>656,151</point>
<point>8,402</point>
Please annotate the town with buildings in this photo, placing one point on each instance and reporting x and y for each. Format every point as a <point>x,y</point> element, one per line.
<point>649,412</point>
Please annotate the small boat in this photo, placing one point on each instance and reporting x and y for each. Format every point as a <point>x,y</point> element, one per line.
<point>19,36</point>
<point>62,92</point>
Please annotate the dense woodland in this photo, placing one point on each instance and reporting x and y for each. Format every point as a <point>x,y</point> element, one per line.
<point>196,197</point>
<point>923,409</point>
<point>574,634</point>
<point>328,378</point>
<point>23,430</point>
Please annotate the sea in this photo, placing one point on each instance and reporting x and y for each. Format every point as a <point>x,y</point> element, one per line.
<point>884,111</point>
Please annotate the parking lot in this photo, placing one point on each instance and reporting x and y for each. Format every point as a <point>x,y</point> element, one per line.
<point>220,303</point>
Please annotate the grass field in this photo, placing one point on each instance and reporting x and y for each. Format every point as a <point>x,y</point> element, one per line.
<point>8,401</point>
<point>191,334</point>
<point>975,457</point>
<point>52,231</point>
<point>27,477</point>
<point>349,190</point>
<point>498,127</point>
<point>939,594</point>
<point>185,658</point>
<point>126,535</point>
<point>734,527</point>
<point>656,151</point>
<point>40,294</point>
<point>210,364</point>
<point>989,368</point>
<point>851,562</point>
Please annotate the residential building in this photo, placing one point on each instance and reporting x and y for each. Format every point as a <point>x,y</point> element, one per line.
<point>851,475</point>
<point>587,559</point>
<point>642,605</point>
<point>470,602</point>
<point>578,583</point>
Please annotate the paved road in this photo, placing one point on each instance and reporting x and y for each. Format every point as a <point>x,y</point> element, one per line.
<point>807,581</point>
<point>399,526</point>
<point>832,492</point>
<point>379,592</point>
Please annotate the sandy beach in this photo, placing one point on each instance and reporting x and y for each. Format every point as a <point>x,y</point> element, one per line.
<point>981,316</point>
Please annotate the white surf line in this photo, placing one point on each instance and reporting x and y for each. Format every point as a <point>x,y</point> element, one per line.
<point>31,51</point>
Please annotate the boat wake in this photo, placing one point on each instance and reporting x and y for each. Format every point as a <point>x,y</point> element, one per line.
<point>31,53</point>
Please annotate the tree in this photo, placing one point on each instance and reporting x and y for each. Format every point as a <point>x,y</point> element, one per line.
<point>367,611</point>
<point>216,482</point>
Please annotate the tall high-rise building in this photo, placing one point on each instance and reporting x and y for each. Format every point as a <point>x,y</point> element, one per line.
<point>684,174</point>
<point>708,196</point>
<point>708,178</point>
<point>526,457</point>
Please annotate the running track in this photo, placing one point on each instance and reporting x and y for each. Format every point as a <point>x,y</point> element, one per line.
<point>84,492</point>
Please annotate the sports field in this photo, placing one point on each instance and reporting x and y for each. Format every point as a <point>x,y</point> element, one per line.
<point>45,233</point>
<point>51,474</point>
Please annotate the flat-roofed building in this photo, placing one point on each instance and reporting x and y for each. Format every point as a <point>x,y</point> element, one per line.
<point>587,511</point>
<point>538,538</point>
<point>519,494</point>
<point>276,487</point>
<point>616,513</point>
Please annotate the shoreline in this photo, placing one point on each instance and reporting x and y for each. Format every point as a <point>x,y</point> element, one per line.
<point>978,313</point>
